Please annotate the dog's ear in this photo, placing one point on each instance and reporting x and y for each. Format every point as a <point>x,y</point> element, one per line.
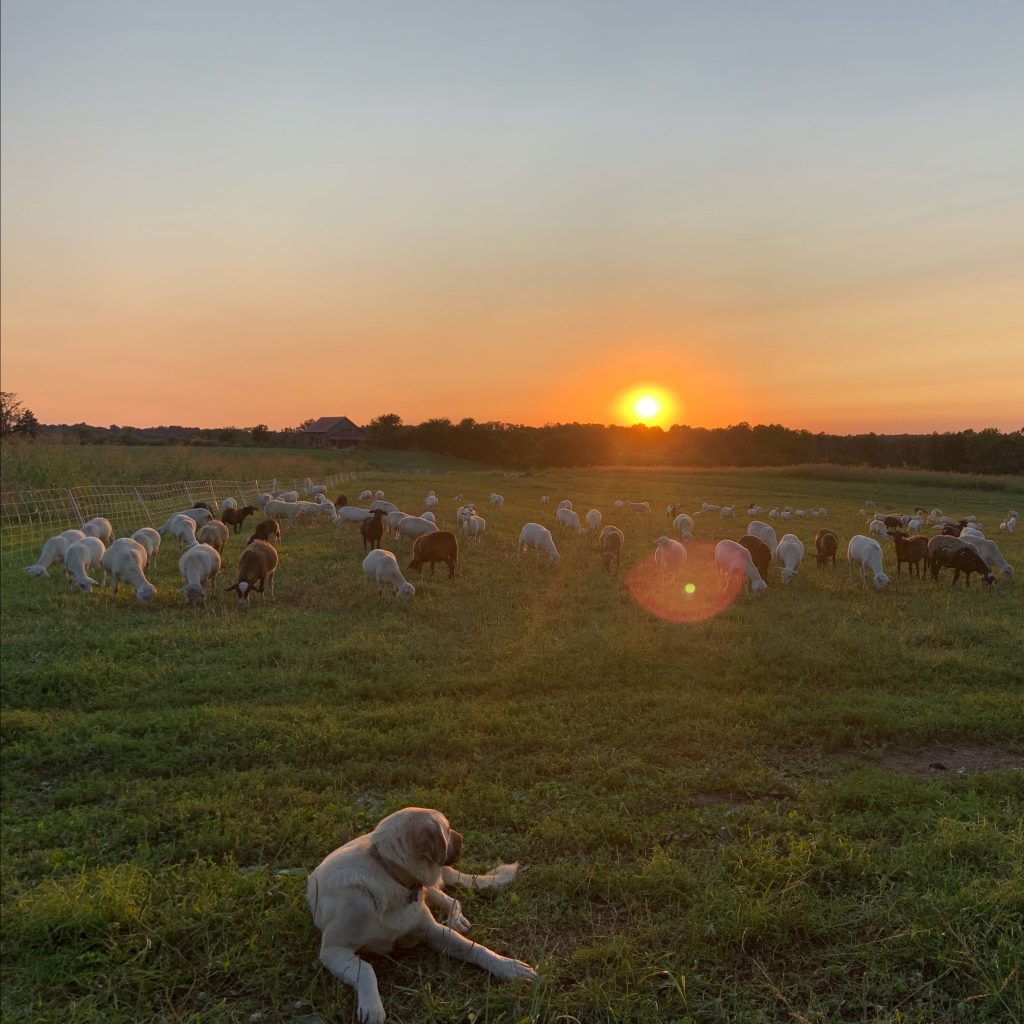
<point>431,844</point>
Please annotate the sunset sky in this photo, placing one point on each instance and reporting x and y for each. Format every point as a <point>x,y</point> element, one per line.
<point>233,212</point>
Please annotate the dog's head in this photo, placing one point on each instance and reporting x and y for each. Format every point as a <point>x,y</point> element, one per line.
<point>419,841</point>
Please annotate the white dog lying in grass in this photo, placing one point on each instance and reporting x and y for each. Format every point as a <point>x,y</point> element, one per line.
<point>377,892</point>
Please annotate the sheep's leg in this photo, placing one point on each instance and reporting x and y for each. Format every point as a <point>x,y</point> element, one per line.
<point>270,586</point>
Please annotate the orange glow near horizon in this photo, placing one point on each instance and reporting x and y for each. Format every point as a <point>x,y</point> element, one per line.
<point>648,404</point>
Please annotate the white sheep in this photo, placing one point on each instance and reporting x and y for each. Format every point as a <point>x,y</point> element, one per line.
<point>365,495</point>
<point>669,555</point>
<point>915,525</point>
<point>706,506</point>
<point>789,554</point>
<point>877,527</point>
<point>183,527</point>
<point>784,515</point>
<point>287,495</point>
<point>774,514</point>
<point>683,525</point>
<point>619,504</point>
<point>150,540</point>
<point>545,498</point>
<point>378,495</point>
<point>263,499</point>
<point>568,520</point>
<point>594,518</point>
<point>281,510</point>
<point>991,555</point>
<point>565,503</point>
<point>800,513</point>
<point>430,517</point>
<point>226,503</point>
<point>381,567</point>
<point>727,511</point>
<point>312,488</point>
<point>213,533</point>
<point>198,566</point>
<point>199,516</point>
<point>414,526</point>
<point>54,549</point>
<point>763,532</point>
<point>639,506</point>
<point>392,519</point>
<point>101,528</point>
<point>867,553</point>
<point>384,506</point>
<point>732,559</point>
<point>126,559</point>
<point>497,499</point>
<point>351,514</point>
<point>318,508</point>
<point>1008,525</point>
<point>474,525</point>
<point>430,502</point>
<point>79,558</point>
<point>538,537</point>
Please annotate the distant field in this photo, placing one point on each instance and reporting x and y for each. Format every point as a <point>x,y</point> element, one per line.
<point>736,819</point>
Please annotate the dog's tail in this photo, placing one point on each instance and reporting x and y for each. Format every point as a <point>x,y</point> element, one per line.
<point>501,875</point>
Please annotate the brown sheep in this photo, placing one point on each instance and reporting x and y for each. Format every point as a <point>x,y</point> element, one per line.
<point>912,550</point>
<point>372,528</point>
<point>892,522</point>
<point>340,501</point>
<point>760,553</point>
<point>951,531</point>
<point>958,556</point>
<point>611,546</point>
<point>268,530</point>
<point>826,543</point>
<point>256,570</point>
<point>236,517</point>
<point>441,546</point>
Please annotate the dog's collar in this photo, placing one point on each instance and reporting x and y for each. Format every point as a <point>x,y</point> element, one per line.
<point>399,874</point>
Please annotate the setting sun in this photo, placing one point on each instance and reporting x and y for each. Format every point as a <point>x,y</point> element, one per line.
<point>648,404</point>
<point>647,407</point>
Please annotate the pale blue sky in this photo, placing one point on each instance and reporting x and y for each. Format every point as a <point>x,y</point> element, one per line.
<point>711,180</point>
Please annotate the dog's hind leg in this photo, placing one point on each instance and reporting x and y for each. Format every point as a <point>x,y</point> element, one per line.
<point>347,967</point>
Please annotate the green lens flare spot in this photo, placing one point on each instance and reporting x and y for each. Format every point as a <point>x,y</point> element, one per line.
<point>690,588</point>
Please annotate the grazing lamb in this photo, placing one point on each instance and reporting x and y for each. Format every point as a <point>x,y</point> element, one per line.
<point>594,518</point>
<point>683,525</point>
<point>101,528</point>
<point>281,510</point>
<point>365,495</point>
<point>291,496</point>
<point>760,553</point>
<point>535,536</point>
<point>727,511</point>
<point>378,494</point>
<point>992,556</point>
<point>867,553</point>
<point>669,555</point>
<point>545,498</point>
<point>256,570</point>
<point>198,515</point>
<point>497,499</point>
<point>474,525</point>
<point>53,553</point>
<point>184,528</point>
<point>789,552</point>
<point>430,502</point>
<point>214,534</point>
<point>774,514</point>
<point>414,526</point>
<point>150,540</point>
<point>639,506</point>
<point>673,510</point>
<point>784,515</point>
<point>381,567</point>
<point>263,499</point>
<point>371,529</point>
<point>236,517</point>
<point>619,504</point>
<point>199,566</point>
<point>126,559</point>
<point>763,532</point>
<point>568,520</point>
<point>268,530</point>
<point>1008,525</point>
<point>312,488</point>
<point>435,547</point>
<point>318,508</point>
<point>877,527</point>
<point>706,506</point>
<point>892,522</point>
<point>79,558</point>
<point>392,519</point>
<point>228,503</point>
<point>912,550</point>
<point>953,553</point>
<point>353,514</point>
<point>826,544</point>
<point>915,524</point>
<point>380,503</point>
<point>565,503</point>
<point>611,546</point>
<point>732,559</point>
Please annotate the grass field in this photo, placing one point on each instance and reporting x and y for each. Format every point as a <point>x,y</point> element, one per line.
<point>731,819</point>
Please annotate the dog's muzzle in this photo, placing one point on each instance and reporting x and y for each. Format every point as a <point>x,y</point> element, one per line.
<point>454,846</point>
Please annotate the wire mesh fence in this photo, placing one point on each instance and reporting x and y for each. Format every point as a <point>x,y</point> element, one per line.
<point>27,518</point>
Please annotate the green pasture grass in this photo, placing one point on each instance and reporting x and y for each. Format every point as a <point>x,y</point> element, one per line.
<point>709,828</point>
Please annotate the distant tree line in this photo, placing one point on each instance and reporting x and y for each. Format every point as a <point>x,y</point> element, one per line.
<point>592,444</point>
<point>514,446</point>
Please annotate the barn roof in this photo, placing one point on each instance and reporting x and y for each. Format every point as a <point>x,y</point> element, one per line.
<point>339,426</point>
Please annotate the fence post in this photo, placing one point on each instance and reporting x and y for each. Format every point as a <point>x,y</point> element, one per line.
<point>75,508</point>
<point>142,504</point>
<point>188,493</point>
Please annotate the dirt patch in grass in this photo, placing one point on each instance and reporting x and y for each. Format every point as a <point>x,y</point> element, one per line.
<point>936,762</point>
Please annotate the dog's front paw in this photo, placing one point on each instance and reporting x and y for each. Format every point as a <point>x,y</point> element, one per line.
<point>371,1013</point>
<point>508,969</point>
<point>458,921</point>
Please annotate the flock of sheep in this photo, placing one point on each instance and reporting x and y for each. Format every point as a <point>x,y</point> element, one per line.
<point>960,543</point>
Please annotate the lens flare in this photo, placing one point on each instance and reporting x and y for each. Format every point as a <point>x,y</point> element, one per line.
<point>695,595</point>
